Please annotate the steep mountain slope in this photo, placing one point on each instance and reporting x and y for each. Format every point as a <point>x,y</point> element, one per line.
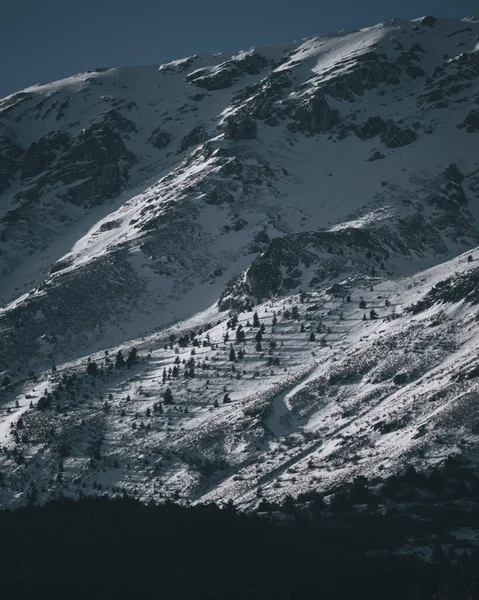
<point>140,204</point>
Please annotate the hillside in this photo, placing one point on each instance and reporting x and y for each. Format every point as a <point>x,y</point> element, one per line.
<point>329,186</point>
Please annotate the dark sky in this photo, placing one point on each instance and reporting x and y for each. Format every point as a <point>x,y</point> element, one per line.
<point>44,40</point>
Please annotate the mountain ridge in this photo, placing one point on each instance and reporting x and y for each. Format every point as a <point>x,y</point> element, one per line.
<point>139,202</point>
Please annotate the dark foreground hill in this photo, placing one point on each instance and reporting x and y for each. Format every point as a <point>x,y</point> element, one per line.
<point>119,548</point>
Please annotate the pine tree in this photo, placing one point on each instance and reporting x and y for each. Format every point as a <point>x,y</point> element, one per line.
<point>132,357</point>
<point>232,355</point>
<point>256,322</point>
<point>312,337</point>
<point>119,360</point>
<point>240,334</point>
<point>168,396</point>
<point>302,330</point>
<point>92,368</point>
<point>295,312</point>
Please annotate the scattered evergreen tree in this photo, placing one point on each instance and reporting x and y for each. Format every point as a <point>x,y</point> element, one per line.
<point>232,355</point>
<point>256,322</point>
<point>312,337</point>
<point>168,396</point>
<point>92,368</point>
<point>132,357</point>
<point>119,360</point>
<point>240,334</point>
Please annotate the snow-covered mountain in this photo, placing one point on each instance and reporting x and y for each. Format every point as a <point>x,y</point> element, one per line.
<point>160,208</point>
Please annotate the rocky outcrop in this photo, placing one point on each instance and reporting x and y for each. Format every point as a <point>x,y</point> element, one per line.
<point>93,167</point>
<point>395,136</point>
<point>100,160</point>
<point>314,115</point>
<point>240,126</point>
<point>390,133</point>
<point>227,73</point>
<point>282,267</point>
<point>365,72</point>
<point>471,122</point>
<point>159,138</point>
<point>455,76</point>
<point>196,136</point>
<point>10,153</point>
<point>116,121</point>
<point>42,154</point>
<point>449,195</point>
<point>373,127</point>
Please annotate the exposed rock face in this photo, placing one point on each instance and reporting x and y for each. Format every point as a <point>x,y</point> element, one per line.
<point>452,78</point>
<point>195,137</point>
<point>471,122</point>
<point>449,194</point>
<point>391,134</point>
<point>373,127</point>
<point>116,121</point>
<point>42,154</point>
<point>10,153</point>
<point>281,267</point>
<point>367,72</point>
<point>240,126</point>
<point>315,115</point>
<point>226,74</point>
<point>93,166</point>
<point>394,136</point>
<point>98,159</point>
<point>159,138</point>
<point>428,21</point>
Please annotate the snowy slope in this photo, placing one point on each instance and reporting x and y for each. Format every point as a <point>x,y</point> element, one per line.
<point>139,203</point>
